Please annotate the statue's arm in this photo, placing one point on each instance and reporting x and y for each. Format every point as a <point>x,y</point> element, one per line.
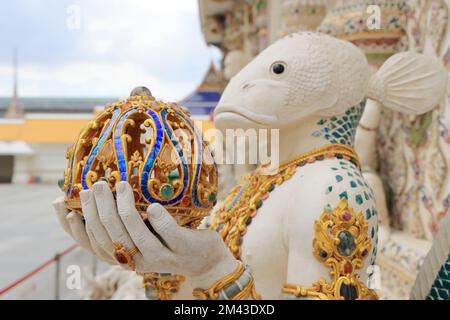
<point>302,268</point>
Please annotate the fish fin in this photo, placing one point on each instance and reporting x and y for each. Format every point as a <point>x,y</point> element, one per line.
<point>409,82</point>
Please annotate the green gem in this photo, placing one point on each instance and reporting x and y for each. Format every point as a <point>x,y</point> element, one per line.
<point>167,191</point>
<point>212,197</point>
<point>346,243</point>
<point>61,183</point>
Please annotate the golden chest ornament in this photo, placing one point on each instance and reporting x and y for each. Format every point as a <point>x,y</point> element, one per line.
<point>342,244</point>
<point>242,204</point>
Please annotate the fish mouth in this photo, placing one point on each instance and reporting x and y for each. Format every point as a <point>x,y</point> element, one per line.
<point>261,120</point>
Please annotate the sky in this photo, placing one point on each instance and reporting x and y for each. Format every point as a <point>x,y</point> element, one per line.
<point>102,48</point>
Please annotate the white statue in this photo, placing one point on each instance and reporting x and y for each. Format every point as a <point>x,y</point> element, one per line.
<point>230,174</point>
<point>280,234</point>
<point>234,62</point>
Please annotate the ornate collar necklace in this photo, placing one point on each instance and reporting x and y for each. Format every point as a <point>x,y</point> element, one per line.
<point>244,200</point>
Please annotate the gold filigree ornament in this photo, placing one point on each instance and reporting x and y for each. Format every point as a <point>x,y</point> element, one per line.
<point>341,243</point>
<point>161,286</point>
<point>153,145</point>
<point>241,206</point>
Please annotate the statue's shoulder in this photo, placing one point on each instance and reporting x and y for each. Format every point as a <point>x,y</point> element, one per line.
<point>322,187</point>
<point>326,182</point>
<point>329,175</point>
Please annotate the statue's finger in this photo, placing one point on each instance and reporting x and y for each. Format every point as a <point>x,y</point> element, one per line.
<point>166,227</point>
<point>78,231</point>
<point>144,239</point>
<point>61,212</point>
<point>93,223</point>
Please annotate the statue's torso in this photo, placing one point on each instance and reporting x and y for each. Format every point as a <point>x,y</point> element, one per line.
<point>293,207</point>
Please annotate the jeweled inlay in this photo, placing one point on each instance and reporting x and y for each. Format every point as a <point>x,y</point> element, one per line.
<point>346,243</point>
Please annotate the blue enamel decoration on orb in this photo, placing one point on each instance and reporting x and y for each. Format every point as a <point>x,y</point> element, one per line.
<point>184,168</point>
<point>153,153</point>
<point>118,145</point>
<point>200,149</point>
<point>137,140</point>
<point>95,150</point>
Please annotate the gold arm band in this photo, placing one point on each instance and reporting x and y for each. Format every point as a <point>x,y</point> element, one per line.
<point>214,293</point>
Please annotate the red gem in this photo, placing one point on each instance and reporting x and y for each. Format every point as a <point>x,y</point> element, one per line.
<point>348,268</point>
<point>76,192</point>
<point>186,201</point>
<point>121,258</point>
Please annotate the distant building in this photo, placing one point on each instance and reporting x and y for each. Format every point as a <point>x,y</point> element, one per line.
<point>33,147</point>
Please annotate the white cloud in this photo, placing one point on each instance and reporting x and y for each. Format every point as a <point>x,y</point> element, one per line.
<point>122,44</point>
<point>94,80</point>
<point>139,25</point>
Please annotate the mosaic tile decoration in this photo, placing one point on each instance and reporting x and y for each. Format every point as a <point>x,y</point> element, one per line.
<point>441,286</point>
<point>341,129</point>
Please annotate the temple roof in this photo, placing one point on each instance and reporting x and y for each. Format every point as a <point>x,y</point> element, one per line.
<point>205,98</point>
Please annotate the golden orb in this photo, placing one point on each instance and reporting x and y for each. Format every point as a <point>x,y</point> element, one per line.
<point>153,145</point>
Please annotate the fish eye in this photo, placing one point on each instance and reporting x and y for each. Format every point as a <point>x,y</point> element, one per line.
<point>278,68</point>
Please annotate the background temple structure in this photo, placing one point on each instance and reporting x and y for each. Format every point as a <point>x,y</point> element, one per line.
<point>412,153</point>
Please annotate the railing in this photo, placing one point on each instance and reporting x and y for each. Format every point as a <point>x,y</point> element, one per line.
<point>49,280</point>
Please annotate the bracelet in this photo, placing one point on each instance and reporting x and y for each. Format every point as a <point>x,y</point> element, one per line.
<point>239,285</point>
<point>161,286</point>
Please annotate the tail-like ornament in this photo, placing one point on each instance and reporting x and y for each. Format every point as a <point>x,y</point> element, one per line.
<point>409,82</point>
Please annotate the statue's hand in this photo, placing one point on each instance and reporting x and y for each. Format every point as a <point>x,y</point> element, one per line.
<point>201,255</point>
